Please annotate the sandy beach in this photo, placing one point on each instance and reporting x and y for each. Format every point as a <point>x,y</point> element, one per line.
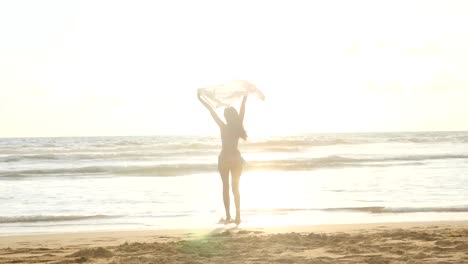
<point>329,131</point>
<point>422,242</point>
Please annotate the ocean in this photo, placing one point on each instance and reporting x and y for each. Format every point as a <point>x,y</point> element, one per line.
<point>171,182</point>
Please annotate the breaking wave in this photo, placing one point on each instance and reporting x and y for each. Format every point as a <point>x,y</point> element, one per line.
<point>194,168</point>
<point>50,218</point>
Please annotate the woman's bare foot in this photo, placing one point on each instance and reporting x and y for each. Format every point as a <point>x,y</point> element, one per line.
<point>238,220</point>
<point>225,221</point>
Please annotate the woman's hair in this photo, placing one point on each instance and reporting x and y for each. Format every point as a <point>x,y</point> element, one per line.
<point>232,119</point>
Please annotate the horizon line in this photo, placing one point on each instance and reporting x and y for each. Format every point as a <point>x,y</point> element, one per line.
<point>213,134</point>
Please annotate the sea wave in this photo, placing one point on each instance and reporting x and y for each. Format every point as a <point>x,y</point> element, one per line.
<point>460,137</point>
<point>360,138</point>
<point>146,148</point>
<point>334,161</point>
<point>300,142</point>
<point>368,209</point>
<point>382,210</point>
<point>273,165</point>
<point>148,170</point>
<point>96,156</point>
<point>50,218</point>
<point>15,158</point>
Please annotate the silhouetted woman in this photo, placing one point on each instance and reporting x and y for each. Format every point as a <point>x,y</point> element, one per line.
<point>230,159</point>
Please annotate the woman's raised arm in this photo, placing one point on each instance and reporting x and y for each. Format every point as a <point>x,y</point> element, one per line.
<point>242,109</point>
<point>212,111</point>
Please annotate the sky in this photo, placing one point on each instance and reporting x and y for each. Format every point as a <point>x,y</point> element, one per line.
<point>105,68</point>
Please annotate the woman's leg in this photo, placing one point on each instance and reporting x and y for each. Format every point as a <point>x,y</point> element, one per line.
<point>236,173</point>
<point>224,172</point>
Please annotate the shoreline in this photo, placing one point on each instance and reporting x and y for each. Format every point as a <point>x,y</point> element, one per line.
<point>44,239</point>
<point>428,242</point>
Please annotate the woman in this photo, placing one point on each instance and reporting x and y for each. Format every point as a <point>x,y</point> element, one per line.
<point>230,159</point>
